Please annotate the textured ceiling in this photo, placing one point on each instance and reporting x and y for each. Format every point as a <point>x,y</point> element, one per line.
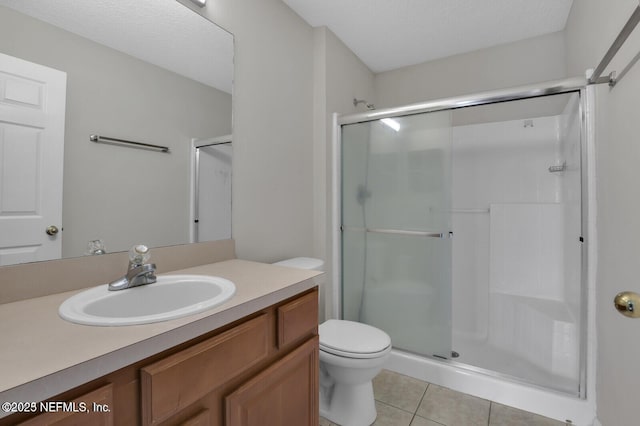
<point>162,32</point>
<point>391,34</point>
<point>385,34</point>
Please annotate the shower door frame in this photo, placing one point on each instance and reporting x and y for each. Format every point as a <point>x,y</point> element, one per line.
<point>586,106</point>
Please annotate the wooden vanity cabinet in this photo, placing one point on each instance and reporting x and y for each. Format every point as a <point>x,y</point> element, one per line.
<point>260,370</point>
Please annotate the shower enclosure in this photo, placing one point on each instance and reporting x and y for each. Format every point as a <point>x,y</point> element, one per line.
<point>211,171</point>
<point>462,233</point>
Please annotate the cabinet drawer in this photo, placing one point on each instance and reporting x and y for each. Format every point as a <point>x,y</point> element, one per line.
<point>298,318</point>
<point>177,381</point>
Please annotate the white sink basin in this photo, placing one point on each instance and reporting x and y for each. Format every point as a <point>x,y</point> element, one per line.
<point>172,296</point>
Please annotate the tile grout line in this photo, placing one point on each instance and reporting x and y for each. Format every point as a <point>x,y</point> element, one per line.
<point>393,406</point>
<point>415,412</point>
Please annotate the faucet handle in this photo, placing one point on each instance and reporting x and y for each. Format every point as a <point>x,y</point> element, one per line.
<point>139,254</point>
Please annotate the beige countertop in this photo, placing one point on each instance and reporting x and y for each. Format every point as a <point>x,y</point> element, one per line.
<point>43,355</point>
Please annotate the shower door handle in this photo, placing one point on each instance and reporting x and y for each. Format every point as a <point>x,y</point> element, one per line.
<point>429,234</point>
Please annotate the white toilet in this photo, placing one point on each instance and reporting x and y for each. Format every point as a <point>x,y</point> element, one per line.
<point>351,355</point>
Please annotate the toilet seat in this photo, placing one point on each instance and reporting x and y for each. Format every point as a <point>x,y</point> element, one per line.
<point>353,339</point>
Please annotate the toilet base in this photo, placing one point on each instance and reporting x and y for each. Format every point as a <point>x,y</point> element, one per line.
<point>350,405</point>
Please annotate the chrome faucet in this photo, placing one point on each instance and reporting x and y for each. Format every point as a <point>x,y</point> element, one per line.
<point>139,273</point>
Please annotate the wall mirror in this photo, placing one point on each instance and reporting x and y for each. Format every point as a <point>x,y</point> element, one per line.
<point>150,71</point>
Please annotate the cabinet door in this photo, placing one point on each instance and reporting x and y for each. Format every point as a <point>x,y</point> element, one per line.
<point>170,385</point>
<point>298,319</point>
<point>284,394</point>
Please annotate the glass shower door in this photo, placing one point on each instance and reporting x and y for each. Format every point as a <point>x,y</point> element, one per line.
<point>396,222</point>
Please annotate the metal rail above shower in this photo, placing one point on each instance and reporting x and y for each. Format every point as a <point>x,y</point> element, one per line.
<point>429,234</point>
<point>612,79</point>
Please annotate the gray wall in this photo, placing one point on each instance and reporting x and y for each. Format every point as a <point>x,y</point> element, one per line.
<point>288,81</point>
<point>113,94</point>
<point>272,127</point>
<point>513,64</point>
<point>592,27</point>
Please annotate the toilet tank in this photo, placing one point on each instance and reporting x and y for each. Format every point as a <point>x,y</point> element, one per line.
<point>302,263</point>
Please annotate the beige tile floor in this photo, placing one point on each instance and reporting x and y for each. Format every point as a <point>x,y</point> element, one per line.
<point>405,401</point>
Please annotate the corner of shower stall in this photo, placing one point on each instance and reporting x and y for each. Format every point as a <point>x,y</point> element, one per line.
<point>517,248</point>
<point>462,235</point>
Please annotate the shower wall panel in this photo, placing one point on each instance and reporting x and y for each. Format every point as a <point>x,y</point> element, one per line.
<point>516,250</point>
<point>526,250</point>
<point>501,163</point>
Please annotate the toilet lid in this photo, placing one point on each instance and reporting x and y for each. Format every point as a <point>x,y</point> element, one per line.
<point>352,338</point>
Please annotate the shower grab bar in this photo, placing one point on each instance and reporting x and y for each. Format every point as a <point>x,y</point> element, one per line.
<point>615,46</point>
<point>395,232</point>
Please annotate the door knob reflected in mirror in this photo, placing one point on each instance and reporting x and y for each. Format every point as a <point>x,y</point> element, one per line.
<point>52,230</point>
<point>628,304</point>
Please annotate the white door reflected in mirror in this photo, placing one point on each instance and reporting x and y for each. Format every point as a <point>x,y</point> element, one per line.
<point>32,112</point>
